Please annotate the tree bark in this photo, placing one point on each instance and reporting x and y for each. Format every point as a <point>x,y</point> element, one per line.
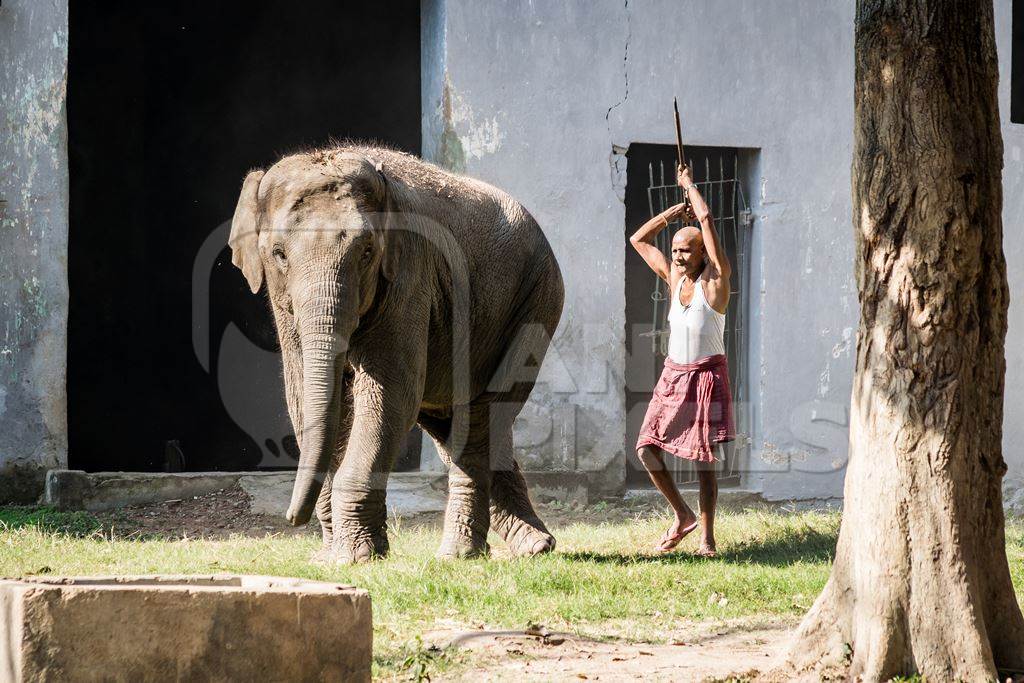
<point>920,581</point>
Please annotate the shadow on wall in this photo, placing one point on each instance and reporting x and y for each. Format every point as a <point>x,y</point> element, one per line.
<point>168,107</point>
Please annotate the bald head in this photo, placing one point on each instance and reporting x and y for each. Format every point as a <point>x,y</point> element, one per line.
<point>688,234</point>
<point>688,248</point>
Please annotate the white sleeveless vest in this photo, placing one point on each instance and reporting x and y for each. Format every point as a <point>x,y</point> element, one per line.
<point>695,331</point>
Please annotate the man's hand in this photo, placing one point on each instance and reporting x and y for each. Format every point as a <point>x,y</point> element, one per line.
<point>680,211</point>
<point>683,177</point>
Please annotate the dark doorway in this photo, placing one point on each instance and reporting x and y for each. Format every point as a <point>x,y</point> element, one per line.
<point>651,188</point>
<point>1017,64</point>
<point>169,104</point>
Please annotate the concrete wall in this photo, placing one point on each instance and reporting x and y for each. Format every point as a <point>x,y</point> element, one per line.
<point>33,245</point>
<point>543,98</point>
<point>1013,246</point>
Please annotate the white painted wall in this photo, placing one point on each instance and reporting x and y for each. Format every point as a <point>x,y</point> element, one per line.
<point>542,92</point>
<point>534,97</point>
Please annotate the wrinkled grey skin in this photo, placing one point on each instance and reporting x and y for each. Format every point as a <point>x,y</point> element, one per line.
<point>378,266</point>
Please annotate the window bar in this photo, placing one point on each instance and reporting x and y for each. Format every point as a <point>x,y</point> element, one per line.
<point>657,281</point>
<point>707,177</point>
<point>664,246</point>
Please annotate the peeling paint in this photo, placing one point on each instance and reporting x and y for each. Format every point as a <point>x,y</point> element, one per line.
<point>33,225</point>
<point>617,163</point>
<point>452,155</point>
<point>481,136</point>
<point>843,346</point>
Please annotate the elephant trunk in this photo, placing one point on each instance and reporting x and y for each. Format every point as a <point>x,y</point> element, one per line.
<point>324,345</point>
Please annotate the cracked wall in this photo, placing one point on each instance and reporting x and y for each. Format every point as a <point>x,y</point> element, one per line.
<point>572,85</point>
<point>543,99</point>
<point>33,234</point>
<point>524,92</point>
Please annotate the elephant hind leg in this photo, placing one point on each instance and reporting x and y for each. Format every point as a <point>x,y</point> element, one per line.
<point>512,514</point>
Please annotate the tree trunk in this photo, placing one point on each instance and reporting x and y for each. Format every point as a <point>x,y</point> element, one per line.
<point>920,581</point>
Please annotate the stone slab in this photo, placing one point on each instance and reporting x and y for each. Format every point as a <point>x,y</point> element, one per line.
<point>184,628</point>
<point>97,491</point>
<point>409,493</point>
<point>555,485</point>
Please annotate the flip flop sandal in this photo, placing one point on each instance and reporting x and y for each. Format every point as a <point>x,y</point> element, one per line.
<point>669,543</point>
<point>706,552</point>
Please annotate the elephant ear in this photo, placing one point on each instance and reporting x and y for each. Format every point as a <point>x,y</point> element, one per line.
<point>245,232</point>
<point>392,243</point>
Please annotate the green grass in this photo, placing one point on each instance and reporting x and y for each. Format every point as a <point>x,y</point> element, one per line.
<point>47,520</point>
<point>601,582</point>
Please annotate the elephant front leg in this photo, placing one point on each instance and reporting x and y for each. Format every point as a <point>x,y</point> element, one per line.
<point>323,515</point>
<point>382,416</point>
<point>323,503</point>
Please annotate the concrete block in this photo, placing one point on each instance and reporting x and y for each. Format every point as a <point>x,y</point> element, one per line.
<point>269,492</point>
<point>564,487</point>
<point>96,491</point>
<point>409,493</point>
<point>183,628</point>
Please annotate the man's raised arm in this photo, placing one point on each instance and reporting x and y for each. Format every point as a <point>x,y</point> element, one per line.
<point>712,247</point>
<point>643,239</point>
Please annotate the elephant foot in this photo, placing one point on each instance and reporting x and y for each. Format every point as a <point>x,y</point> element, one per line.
<point>352,552</point>
<point>322,556</point>
<point>462,548</point>
<point>527,541</point>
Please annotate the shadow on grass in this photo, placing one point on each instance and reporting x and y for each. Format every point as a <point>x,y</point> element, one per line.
<point>48,520</point>
<point>805,545</point>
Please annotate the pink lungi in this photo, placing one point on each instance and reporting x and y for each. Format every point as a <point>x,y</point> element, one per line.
<point>690,409</point>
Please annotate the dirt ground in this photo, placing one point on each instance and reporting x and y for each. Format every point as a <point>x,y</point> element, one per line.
<point>225,513</point>
<point>696,652</point>
<point>217,515</point>
<point>699,652</point>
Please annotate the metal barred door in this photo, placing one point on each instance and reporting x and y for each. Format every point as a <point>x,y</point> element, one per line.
<point>720,186</point>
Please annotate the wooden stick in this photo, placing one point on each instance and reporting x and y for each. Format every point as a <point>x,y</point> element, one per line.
<point>679,147</point>
<point>679,133</point>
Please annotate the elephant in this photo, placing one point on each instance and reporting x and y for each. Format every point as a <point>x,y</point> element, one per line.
<point>402,294</point>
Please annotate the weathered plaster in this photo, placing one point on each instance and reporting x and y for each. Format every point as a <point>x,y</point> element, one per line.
<point>543,99</point>
<point>33,234</point>
<point>571,86</point>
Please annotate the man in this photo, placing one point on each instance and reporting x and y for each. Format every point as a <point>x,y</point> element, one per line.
<point>690,413</point>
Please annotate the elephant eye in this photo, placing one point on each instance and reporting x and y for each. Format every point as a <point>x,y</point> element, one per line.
<point>367,252</point>
<point>279,256</point>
